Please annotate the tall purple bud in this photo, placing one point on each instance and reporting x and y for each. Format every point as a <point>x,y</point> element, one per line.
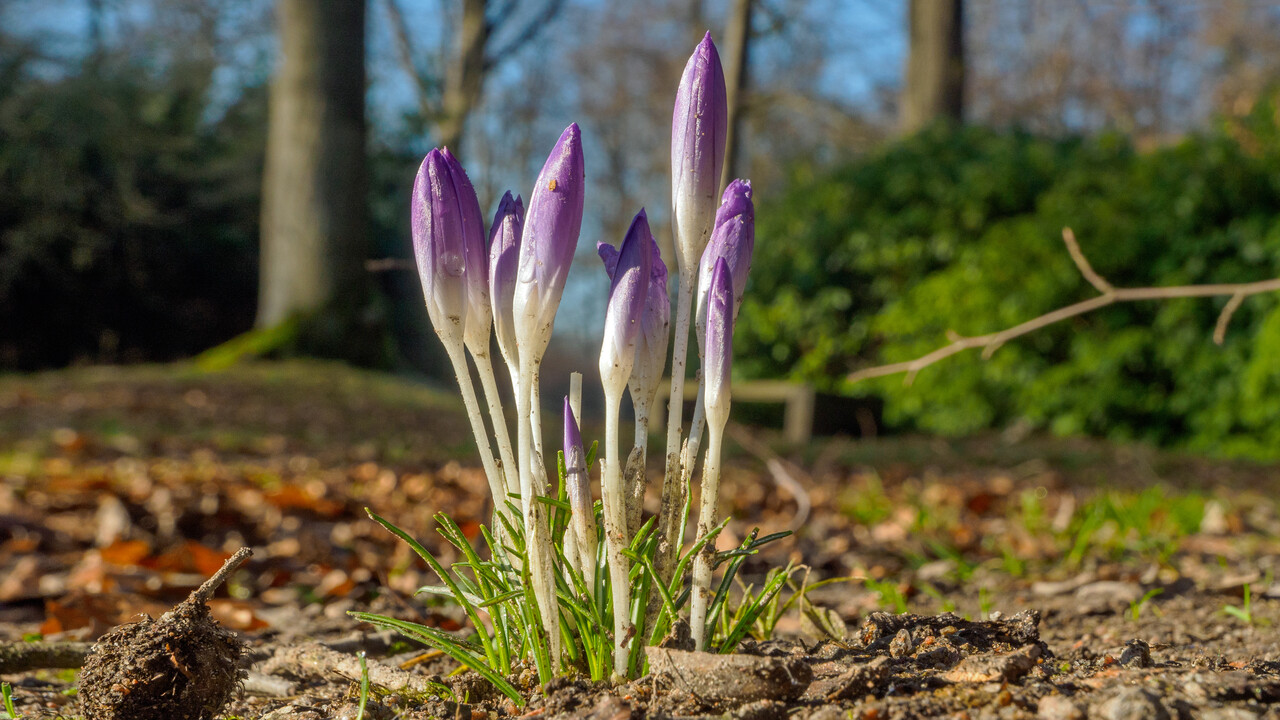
<point>578,488</point>
<point>439,247</point>
<point>550,236</point>
<point>733,239</point>
<point>698,129</point>
<point>504,261</point>
<point>627,294</point>
<point>718,348</point>
<point>476,261</point>
<point>655,323</point>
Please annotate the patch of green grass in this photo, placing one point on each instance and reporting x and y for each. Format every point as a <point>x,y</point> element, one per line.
<point>891,596</point>
<point>1244,612</point>
<point>866,501</point>
<point>6,695</point>
<point>1135,606</point>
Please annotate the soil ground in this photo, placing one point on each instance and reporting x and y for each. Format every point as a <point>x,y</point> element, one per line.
<point>1042,578</point>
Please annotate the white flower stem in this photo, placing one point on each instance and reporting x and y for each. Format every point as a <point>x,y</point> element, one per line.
<point>581,543</point>
<point>689,456</point>
<point>536,533</point>
<point>673,487</point>
<point>615,533</point>
<point>535,411</point>
<point>679,356</point>
<point>488,381</point>
<point>575,396</point>
<point>634,480</point>
<point>707,512</point>
<point>469,400</point>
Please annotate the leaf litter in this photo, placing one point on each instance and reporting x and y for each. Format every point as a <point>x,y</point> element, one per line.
<point>1059,579</point>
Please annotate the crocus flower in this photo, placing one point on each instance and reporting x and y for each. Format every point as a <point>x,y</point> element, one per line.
<point>476,261</point>
<point>718,348</point>
<point>549,238</point>
<point>698,129</point>
<point>438,246</point>
<point>627,293</point>
<point>717,356</point>
<point>577,486</point>
<point>651,346</point>
<point>732,239</point>
<point>447,243</point>
<point>504,260</point>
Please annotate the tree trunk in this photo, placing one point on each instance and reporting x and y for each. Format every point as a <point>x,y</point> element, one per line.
<point>934,87</point>
<point>465,77</point>
<point>737,46</point>
<point>313,197</point>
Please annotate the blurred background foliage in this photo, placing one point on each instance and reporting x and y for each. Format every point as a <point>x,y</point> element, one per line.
<point>959,229</point>
<point>130,223</point>
<point>134,134</point>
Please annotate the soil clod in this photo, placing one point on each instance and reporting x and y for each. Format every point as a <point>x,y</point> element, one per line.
<point>184,666</point>
<point>732,680</point>
<point>1006,667</point>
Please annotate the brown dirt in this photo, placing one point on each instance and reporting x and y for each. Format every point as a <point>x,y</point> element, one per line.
<point>120,490</point>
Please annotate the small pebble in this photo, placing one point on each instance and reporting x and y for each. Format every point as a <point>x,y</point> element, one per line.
<point>902,644</point>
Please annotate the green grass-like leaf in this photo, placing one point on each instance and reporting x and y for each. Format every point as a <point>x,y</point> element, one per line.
<point>468,656</point>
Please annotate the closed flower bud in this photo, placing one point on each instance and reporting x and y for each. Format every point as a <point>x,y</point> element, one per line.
<point>733,239</point>
<point>699,125</point>
<point>718,349</point>
<point>627,294</point>
<point>552,224</point>
<point>476,260</point>
<point>504,261</point>
<point>439,246</point>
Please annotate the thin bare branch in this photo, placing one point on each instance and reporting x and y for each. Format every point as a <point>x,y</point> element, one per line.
<point>526,35</point>
<point>992,341</point>
<point>1082,263</point>
<point>786,475</point>
<point>204,592</point>
<point>389,264</point>
<point>405,53</point>
<point>1224,319</point>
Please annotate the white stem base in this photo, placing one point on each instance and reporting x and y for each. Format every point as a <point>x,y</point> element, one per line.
<point>708,510</point>
<point>616,540</point>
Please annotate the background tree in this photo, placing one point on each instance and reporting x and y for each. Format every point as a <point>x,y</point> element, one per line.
<point>314,234</point>
<point>934,87</point>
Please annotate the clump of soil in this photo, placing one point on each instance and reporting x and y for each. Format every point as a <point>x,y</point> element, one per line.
<point>184,666</point>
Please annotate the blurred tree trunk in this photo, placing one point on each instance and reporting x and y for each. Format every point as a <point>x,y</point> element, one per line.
<point>934,87</point>
<point>737,52</point>
<point>313,204</point>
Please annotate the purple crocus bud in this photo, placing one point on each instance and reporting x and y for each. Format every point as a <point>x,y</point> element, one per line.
<point>732,239</point>
<point>578,488</point>
<point>438,246</point>
<point>550,237</point>
<point>476,260</point>
<point>627,294</point>
<point>651,345</point>
<point>504,260</point>
<point>575,464</point>
<point>718,349</point>
<point>698,129</point>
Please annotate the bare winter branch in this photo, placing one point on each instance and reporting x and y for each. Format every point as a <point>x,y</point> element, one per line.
<point>526,34</point>
<point>1110,295</point>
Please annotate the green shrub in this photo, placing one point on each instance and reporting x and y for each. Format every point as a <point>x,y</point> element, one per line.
<point>959,229</point>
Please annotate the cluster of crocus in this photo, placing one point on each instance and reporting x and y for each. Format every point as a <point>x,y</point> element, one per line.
<point>514,289</point>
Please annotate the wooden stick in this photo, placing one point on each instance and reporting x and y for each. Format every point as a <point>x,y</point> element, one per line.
<point>1110,295</point>
<point>202,594</point>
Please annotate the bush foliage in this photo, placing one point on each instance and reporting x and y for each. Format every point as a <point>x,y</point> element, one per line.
<point>128,220</point>
<point>960,229</point>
